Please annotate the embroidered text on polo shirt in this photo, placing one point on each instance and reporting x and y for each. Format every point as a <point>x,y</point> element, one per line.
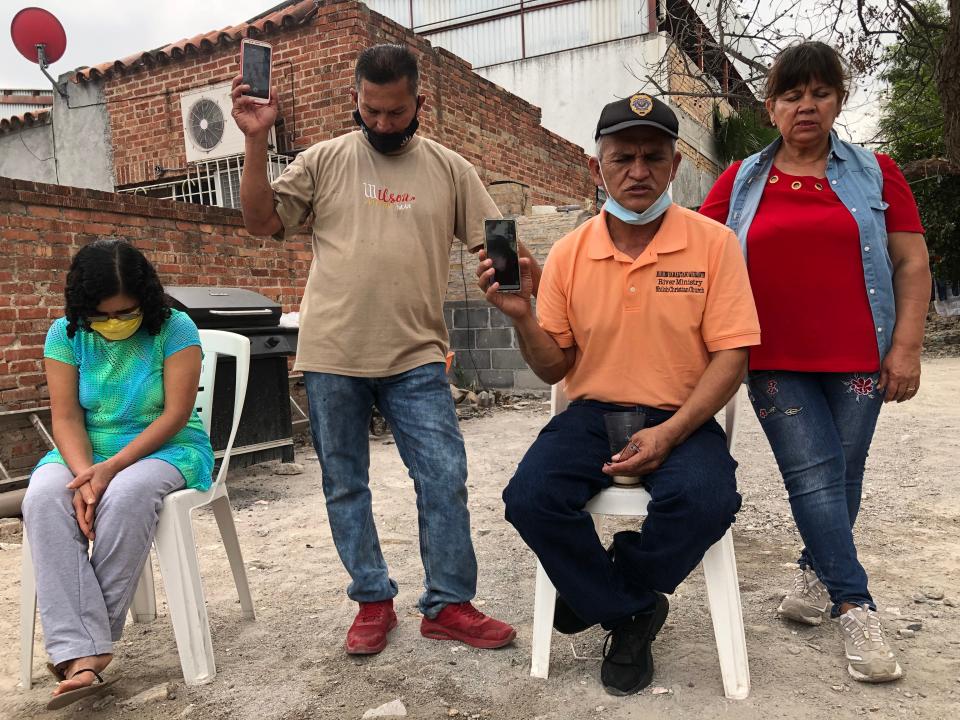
<point>680,281</point>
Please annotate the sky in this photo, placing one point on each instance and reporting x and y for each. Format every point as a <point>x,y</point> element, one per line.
<point>105,30</point>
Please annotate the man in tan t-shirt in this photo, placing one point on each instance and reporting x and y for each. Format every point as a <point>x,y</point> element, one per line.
<point>386,205</point>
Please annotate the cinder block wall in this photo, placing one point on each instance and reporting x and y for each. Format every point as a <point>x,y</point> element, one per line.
<point>487,354</point>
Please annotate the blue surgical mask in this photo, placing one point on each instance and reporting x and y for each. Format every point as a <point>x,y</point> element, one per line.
<point>658,208</point>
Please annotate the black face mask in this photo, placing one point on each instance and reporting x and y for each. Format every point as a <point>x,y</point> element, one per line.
<point>387,142</point>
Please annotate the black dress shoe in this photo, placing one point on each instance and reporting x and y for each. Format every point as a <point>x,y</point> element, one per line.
<point>627,661</point>
<point>565,620</point>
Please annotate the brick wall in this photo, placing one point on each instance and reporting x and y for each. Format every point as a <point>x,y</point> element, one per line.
<point>699,103</point>
<point>42,226</point>
<point>313,71</point>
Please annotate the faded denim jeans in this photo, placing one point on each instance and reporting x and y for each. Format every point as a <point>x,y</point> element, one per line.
<point>820,426</point>
<point>420,410</point>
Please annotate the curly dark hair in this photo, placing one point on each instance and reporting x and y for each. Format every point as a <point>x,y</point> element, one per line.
<point>109,267</point>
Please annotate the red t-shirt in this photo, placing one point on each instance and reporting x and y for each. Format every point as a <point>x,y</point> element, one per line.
<point>803,255</point>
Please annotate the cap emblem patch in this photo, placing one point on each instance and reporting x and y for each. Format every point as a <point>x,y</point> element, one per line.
<point>641,104</point>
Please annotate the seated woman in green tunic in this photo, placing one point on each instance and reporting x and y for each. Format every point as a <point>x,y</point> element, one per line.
<point>122,369</point>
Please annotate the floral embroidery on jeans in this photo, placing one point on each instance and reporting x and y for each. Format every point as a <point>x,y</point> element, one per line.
<point>772,388</point>
<point>861,386</point>
<point>764,412</point>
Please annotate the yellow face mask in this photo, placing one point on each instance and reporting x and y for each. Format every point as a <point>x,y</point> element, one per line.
<point>114,329</point>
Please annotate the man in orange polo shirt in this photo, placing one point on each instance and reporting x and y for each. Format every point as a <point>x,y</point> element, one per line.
<point>646,307</point>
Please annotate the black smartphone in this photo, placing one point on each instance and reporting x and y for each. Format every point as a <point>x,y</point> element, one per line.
<point>500,244</point>
<point>256,66</point>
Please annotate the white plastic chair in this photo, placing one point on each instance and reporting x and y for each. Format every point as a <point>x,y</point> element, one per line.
<point>174,540</point>
<point>719,569</point>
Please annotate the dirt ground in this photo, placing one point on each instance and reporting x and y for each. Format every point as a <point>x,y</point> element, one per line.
<point>290,663</point>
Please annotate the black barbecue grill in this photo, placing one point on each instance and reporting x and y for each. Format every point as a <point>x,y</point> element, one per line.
<point>266,430</point>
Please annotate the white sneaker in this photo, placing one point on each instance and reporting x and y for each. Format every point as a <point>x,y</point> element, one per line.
<point>809,600</point>
<point>870,658</point>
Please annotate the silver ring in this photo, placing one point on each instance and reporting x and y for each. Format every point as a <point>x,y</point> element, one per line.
<point>911,388</point>
<point>635,447</point>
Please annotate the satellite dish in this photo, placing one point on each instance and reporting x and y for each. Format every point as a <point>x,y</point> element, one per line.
<point>40,38</point>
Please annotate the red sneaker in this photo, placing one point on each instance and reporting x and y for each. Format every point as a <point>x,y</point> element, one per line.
<point>465,623</point>
<point>368,634</point>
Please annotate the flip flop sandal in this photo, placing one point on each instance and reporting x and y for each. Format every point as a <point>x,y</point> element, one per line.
<point>71,696</point>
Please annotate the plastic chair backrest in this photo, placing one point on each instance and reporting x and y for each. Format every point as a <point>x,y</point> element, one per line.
<point>216,343</point>
<point>558,399</point>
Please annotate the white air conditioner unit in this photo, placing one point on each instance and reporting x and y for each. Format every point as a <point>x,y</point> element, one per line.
<point>209,131</point>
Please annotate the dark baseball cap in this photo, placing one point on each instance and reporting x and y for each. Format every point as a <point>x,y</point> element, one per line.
<point>639,109</point>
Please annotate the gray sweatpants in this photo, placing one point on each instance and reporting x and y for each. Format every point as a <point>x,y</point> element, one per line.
<point>83,597</point>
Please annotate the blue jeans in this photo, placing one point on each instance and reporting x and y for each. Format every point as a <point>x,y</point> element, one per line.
<point>419,408</point>
<point>694,500</point>
<point>820,426</point>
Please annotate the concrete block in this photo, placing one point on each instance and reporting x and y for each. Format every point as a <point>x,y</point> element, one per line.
<point>499,320</point>
<point>497,338</point>
<point>462,339</point>
<point>507,360</point>
<point>497,378</point>
<point>469,359</point>
<point>527,380</point>
<point>473,318</point>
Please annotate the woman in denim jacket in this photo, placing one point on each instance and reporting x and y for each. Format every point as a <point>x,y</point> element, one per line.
<point>839,271</point>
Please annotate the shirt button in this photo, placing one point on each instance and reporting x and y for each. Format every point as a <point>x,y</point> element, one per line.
<point>866,248</point>
<point>879,329</point>
<point>853,209</point>
<point>633,289</point>
<point>872,291</point>
<point>834,182</point>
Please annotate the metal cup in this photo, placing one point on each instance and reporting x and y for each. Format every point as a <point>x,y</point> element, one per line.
<point>621,427</point>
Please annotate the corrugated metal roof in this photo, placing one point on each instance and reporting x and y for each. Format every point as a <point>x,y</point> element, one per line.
<point>439,11</point>
<point>287,15</point>
<point>563,27</point>
<point>29,119</point>
<point>396,10</point>
<point>493,41</point>
<point>488,32</point>
<point>9,110</point>
<point>30,92</point>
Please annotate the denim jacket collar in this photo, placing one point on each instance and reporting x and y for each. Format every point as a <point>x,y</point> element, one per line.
<point>764,158</point>
<point>854,175</point>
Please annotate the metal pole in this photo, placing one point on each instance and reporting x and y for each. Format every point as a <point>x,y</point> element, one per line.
<point>39,427</point>
<point>523,34</point>
<point>42,60</point>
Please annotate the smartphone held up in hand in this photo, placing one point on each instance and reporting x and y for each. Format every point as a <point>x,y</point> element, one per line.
<point>256,66</point>
<point>500,244</point>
